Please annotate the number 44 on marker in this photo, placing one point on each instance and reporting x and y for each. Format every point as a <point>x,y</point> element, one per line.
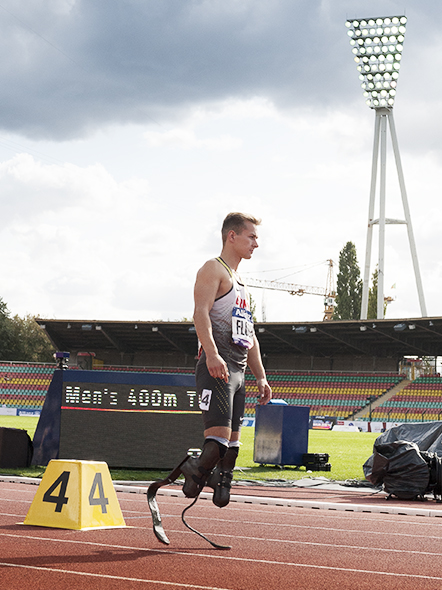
<point>76,495</point>
<point>61,499</point>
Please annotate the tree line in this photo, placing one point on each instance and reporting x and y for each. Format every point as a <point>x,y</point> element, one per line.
<point>22,339</point>
<point>349,288</point>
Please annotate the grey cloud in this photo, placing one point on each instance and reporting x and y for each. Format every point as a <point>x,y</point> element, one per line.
<point>69,72</point>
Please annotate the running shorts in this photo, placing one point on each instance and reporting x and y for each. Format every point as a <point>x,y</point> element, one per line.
<point>222,403</point>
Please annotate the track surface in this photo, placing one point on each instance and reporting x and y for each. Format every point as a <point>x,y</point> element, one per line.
<point>273,547</point>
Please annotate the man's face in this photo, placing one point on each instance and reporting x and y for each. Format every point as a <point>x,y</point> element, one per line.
<point>246,241</point>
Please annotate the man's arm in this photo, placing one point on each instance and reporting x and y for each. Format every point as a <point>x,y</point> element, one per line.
<point>255,363</point>
<point>208,281</point>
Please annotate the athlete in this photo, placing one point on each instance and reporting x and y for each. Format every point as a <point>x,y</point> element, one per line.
<point>228,343</point>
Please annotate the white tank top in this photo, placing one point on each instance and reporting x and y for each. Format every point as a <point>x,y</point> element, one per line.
<point>232,323</point>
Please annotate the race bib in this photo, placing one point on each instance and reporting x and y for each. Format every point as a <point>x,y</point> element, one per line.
<point>205,398</point>
<point>242,327</point>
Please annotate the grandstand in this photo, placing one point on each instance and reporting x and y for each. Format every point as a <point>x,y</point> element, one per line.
<point>23,386</point>
<point>343,369</point>
<point>420,400</point>
<point>361,346</point>
<point>336,394</point>
<point>340,395</point>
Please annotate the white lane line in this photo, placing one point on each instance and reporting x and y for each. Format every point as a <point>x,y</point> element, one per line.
<point>109,577</point>
<point>317,544</point>
<point>12,515</point>
<point>332,514</point>
<point>224,556</point>
<point>266,501</point>
<point>308,527</point>
<point>272,524</point>
<point>293,503</point>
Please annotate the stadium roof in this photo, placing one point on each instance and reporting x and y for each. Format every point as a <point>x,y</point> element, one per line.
<point>381,338</point>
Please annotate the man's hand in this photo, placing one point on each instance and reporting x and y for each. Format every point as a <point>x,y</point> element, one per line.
<point>217,367</point>
<point>264,392</point>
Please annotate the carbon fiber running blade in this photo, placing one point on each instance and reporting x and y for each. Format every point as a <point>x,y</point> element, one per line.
<point>216,545</point>
<point>153,506</point>
<point>156,516</point>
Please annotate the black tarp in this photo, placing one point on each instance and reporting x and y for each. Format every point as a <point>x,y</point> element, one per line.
<point>407,460</point>
<point>427,435</point>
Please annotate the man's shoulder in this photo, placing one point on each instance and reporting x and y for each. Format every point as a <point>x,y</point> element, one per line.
<point>212,265</point>
<point>213,261</point>
<point>213,270</point>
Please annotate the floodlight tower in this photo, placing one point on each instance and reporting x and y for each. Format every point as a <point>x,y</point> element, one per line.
<point>377,48</point>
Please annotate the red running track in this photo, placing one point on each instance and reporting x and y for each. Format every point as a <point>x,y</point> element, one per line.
<point>273,547</point>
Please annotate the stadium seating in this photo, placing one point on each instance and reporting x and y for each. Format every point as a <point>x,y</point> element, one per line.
<point>420,400</point>
<point>24,385</point>
<point>326,393</point>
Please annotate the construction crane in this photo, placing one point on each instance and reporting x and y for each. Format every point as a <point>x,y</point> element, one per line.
<point>328,292</point>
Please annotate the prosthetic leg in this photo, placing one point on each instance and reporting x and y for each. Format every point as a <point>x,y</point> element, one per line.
<point>221,477</point>
<point>196,470</point>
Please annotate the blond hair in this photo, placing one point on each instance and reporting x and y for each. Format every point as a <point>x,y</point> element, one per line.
<point>237,222</point>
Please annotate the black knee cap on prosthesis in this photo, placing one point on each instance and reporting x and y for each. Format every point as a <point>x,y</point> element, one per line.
<point>233,451</point>
<point>222,448</point>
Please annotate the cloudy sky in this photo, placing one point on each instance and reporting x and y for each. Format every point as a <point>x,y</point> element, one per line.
<point>130,128</point>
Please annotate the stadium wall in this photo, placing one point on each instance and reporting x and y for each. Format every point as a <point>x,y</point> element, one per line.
<point>275,362</point>
<point>160,360</point>
<point>336,363</point>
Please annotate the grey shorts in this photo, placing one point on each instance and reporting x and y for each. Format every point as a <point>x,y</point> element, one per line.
<point>227,400</point>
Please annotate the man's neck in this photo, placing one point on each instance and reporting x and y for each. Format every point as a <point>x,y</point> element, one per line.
<point>231,259</point>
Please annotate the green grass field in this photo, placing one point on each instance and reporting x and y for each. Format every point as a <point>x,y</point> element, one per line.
<point>348,451</point>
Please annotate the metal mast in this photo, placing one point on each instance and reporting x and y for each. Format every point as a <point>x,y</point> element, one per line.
<point>377,47</point>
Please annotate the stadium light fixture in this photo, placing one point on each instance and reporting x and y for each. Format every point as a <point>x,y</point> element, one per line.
<point>377,45</point>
